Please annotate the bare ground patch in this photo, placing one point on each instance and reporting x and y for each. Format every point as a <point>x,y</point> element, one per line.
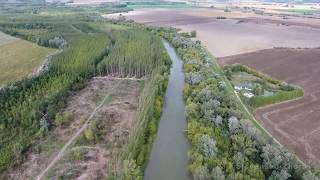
<point>89,155</point>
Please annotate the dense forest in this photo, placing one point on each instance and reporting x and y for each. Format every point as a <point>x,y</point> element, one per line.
<point>90,47</point>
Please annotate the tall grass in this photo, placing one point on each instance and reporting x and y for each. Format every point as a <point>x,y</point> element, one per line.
<point>259,101</point>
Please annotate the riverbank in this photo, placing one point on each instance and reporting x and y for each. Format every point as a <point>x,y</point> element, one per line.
<point>168,158</point>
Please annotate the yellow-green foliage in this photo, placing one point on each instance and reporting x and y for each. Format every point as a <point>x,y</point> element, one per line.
<point>63,118</point>
<point>20,58</point>
<point>89,134</point>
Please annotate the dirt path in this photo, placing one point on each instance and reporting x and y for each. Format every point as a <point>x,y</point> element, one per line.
<point>119,78</point>
<point>76,135</point>
<point>46,62</point>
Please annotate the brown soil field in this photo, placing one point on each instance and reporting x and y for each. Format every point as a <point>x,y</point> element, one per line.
<point>296,123</point>
<point>82,2</point>
<point>229,37</point>
<point>85,159</point>
<point>303,22</point>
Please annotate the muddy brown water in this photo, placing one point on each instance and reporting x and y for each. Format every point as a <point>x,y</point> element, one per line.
<point>168,158</point>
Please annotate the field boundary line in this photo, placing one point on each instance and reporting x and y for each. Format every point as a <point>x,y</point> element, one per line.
<point>75,136</point>
<point>282,102</point>
<point>228,84</point>
<point>250,114</point>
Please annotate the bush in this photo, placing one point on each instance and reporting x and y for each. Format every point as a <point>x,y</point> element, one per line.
<point>57,42</point>
<point>193,34</point>
<point>63,118</point>
<point>90,134</point>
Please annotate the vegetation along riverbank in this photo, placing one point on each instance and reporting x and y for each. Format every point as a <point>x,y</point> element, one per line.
<point>226,141</point>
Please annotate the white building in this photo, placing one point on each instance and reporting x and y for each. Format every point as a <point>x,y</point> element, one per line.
<point>248,95</point>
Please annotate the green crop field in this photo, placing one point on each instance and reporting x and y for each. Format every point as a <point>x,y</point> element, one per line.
<point>19,58</point>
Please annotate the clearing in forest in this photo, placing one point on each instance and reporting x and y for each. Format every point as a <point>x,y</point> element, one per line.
<point>19,58</point>
<point>111,103</point>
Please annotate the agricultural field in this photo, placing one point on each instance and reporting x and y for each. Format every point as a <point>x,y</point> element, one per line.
<point>240,32</point>
<point>294,123</point>
<point>20,58</point>
<point>5,39</point>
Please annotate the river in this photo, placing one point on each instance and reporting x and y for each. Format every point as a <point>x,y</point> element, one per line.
<point>168,158</point>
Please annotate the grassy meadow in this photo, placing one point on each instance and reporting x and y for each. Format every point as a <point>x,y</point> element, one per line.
<point>19,58</point>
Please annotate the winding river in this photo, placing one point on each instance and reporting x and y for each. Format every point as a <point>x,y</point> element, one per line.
<point>168,158</point>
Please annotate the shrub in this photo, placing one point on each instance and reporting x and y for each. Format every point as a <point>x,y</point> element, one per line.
<point>63,118</point>
<point>76,155</point>
<point>57,42</point>
<point>193,34</point>
<point>90,134</point>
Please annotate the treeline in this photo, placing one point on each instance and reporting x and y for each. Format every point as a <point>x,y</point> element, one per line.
<point>225,145</point>
<point>28,107</point>
<point>46,35</point>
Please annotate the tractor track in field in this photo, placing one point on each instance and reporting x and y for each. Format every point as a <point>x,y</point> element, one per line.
<point>76,135</point>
